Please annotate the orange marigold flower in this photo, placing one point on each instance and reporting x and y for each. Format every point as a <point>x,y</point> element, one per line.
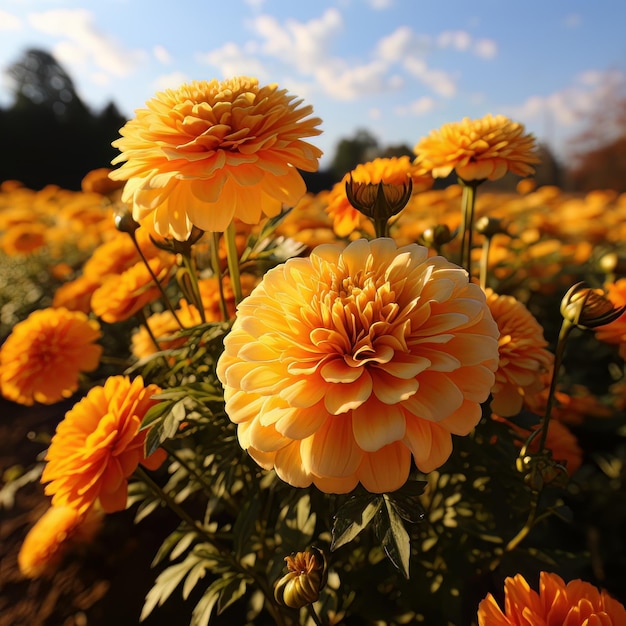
<point>577,603</point>
<point>393,171</point>
<point>480,149</point>
<point>523,357</point>
<point>615,332</point>
<point>98,445</point>
<point>212,151</point>
<point>121,296</point>
<point>24,238</point>
<point>57,531</point>
<point>342,365</point>
<point>43,357</point>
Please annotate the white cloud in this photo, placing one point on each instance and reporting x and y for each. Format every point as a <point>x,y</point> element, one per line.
<point>380,5</point>
<point>418,107</point>
<point>457,39</point>
<point>349,83</point>
<point>8,21</point>
<point>400,44</point>
<point>83,42</point>
<point>170,81</point>
<point>437,80</point>
<point>232,60</point>
<point>485,48</point>
<point>161,54</point>
<point>571,105</point>
<point>304,45</point>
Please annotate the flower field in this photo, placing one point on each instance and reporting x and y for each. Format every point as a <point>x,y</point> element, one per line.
<point>382,403</point>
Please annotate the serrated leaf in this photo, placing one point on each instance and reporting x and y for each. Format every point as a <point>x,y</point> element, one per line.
<point>406,501</point>
<point>234,588</point>
<point>245,524</point>
<point>170,542</point>
<point>195,574</point>
<point>165,584</point>
<point>352,517</point>
<point>203,610</point>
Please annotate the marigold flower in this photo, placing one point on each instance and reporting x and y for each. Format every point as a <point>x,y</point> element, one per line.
<point>120,297</point>
<point>23,239</point>
<point>577,603</point>
<point>212,151</point>
<point>98,445</point>
<point>391,171</point>
<point>43,357</point>
<point>57,531</point>
<point>485,148</point>
<point>523,357</point>
<point>342,365</point>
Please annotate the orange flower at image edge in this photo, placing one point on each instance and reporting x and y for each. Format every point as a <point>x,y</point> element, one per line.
<point>577,603</point>
<point>341,366</point>
<point>209,152</point>
<point>98,445</point>
<point>43,357</point>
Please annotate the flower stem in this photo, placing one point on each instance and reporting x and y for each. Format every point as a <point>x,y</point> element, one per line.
<point>233,262</point>
<point>468,200</point>
<point>484,262</point>
<point>188,281</point>
<point>217,272</point>
<point>154,277</point>
<point>314,616</point>
<point>566,329</point>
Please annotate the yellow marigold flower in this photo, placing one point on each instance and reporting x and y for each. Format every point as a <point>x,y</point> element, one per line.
<point>577,603</point>
<point>75,295</point>
<point>98,445</point>
<point>43,357</point>
<point>342,365</point>
<point>392,171</point>
<point>209,152</point>
<point>480,149</point>
<point>523,356</point>
<point>120,297</point>
<point>57,531</point>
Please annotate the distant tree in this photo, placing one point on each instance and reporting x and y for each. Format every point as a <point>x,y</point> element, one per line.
<point>397,150</point>
<point>598,153</point>
<point>352,151</point>
<point>50,134</point>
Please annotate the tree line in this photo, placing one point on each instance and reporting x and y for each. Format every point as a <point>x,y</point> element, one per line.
<point>50,136</point>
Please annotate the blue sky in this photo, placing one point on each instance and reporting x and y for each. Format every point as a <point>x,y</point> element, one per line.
<point>396,67</point>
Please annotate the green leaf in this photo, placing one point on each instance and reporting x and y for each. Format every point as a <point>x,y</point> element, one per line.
<point>244,527</point>
<point>234,588</point>
<point>352,517</point>
<point>203,610</point>
<point>394,538</point>
<point>407,503</point>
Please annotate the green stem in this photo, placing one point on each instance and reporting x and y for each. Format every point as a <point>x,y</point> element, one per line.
<point>566,329</point>
<point>190,285</point>
<point>314,616</point>
<point>484,262</point>
<point>468,200</point>
<point>381,227</point>
<point>141,316</point>
<point>233,262</point>
<point>157,282</point>
<point>217,272</point>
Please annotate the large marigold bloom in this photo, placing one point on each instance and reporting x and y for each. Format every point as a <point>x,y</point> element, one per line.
<point>524,359</point>
<point>45,354</point>
<point>577,603</point>
<point>57,531</point>
<point>481,149</point>
<point>211,151</point>
<point>392,171</point>
<point>342,365</point>
<point>98,445</point>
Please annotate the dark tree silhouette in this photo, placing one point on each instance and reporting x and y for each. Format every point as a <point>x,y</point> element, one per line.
<point>350,152</point>
<point>48,134</point>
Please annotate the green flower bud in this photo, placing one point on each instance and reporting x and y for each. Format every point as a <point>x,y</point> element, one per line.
<point>306,576</point>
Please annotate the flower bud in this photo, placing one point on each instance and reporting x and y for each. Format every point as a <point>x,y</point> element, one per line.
<point>124,221</point>
<point>490,226</point>
<point>306,576</point>
<point>437,236</point>
<point>587,308</point>
<point>378,201</point>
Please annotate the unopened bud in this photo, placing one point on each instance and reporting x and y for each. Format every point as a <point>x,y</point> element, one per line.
<point>588,308</point>
<point>306,576</point>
